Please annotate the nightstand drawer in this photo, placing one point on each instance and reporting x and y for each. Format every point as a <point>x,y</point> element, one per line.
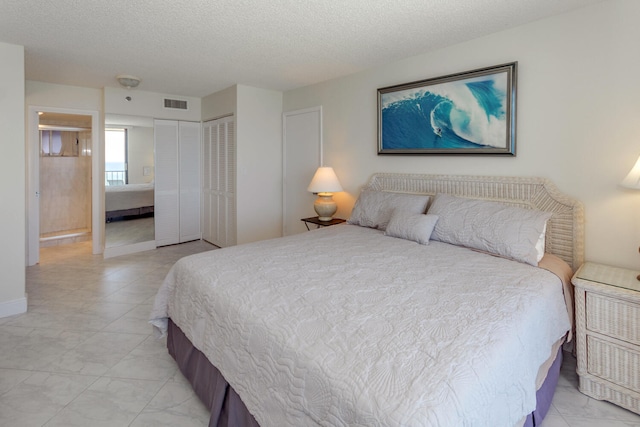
<point>614,363</point>
<point>613,317</point>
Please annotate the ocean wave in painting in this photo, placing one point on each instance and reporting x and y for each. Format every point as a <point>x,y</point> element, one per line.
<point>463,114</point>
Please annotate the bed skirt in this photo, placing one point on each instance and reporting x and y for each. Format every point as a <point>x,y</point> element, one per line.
<point>544,395</point>
<point>228,410</point>
<point>142,212</point>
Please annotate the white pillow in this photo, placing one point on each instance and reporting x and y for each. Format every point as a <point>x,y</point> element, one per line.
<point>411,226</point>
<point>541,243</point>
<point>373,208</point>
<point>489,226</point>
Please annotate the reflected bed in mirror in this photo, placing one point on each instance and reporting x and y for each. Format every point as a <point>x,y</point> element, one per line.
<point>128,201</point>
<point>129,181</point>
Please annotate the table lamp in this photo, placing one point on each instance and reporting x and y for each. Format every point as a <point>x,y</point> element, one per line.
<point>325,183</point>
<point>632,180</point>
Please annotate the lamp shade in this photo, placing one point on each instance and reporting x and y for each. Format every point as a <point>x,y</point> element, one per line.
<point>324,181</point>
<point>632,180</point>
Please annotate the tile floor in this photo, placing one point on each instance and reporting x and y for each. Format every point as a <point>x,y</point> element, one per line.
<point>84,354</point>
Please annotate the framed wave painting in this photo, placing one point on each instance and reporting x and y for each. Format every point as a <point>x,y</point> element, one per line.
<point>466,113</point>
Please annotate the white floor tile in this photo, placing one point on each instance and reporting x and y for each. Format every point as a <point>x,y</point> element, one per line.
<point>40,397</point>
<point>109,402</point>
<point>577,405</point>
<point>33,349</point>
<point>595,422</point>
<point>554,420</point>
<point>174,405</point>
<point>11,377</point>
<point>98,354</point>
<point>149,360</point>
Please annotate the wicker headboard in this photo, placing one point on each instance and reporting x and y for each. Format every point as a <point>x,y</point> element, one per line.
<point>565,229</point>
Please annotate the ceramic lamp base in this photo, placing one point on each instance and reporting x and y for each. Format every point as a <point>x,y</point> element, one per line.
<point>325,207</point>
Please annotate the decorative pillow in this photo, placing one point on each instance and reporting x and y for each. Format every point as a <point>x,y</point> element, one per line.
<point>410,226</point>
<point>373,208</point>
<point>489,226</point>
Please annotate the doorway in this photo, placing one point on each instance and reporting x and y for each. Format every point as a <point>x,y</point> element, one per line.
<point>63,189</point>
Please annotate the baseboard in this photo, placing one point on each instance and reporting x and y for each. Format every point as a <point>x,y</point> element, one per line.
<point>13,307</point>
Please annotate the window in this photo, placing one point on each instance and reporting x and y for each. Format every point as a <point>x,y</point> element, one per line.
<point>115,150</point>
<point>50,142</point>
<point>59,143</point>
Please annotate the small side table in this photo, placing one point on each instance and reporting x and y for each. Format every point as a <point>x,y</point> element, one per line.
<point>608,333</point>
<point>314,220</point>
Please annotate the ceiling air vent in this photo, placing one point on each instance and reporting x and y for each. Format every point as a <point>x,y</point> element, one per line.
<point>177,104</point>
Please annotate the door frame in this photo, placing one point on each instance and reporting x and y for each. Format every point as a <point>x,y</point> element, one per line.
<point>33,180</point>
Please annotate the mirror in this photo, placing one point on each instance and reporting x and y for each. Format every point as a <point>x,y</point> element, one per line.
<point>129,180</point>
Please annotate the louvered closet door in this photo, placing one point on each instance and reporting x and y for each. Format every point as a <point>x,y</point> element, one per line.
<point>229,191</point>
<point>207,141</point>
<point>219,178</point>
<point>222,231</point>
<point>166,210</point>
<point>189,180</point>
<point>209,181</point>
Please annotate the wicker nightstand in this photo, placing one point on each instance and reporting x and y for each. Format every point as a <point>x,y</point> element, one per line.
<point>608,333</point>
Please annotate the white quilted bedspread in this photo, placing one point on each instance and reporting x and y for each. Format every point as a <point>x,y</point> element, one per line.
<point>344,326</point>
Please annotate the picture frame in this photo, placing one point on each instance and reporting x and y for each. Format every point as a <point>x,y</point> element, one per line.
<point>473,112</point>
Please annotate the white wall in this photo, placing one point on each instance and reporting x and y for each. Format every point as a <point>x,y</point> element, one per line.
<point>149,104</point>
<point>219,104</point>
<point>259,138</point>
<point>12,181</point>
<point>258,123</point>
<point>141,154</point>
<point>62,96</point>
<point>577,117</point>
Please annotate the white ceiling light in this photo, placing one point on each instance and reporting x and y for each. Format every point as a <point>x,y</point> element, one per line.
<point>128,80</point>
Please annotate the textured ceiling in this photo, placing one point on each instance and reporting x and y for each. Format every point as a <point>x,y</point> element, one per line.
<point>197,47</point>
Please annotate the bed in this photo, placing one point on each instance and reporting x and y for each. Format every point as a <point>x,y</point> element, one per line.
<point>129,200</point>
<point>373,324</point>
